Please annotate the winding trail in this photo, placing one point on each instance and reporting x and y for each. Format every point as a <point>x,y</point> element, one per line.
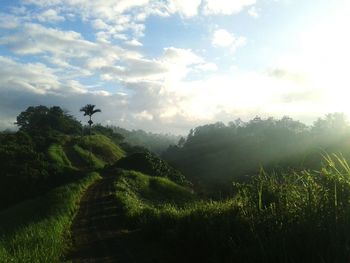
<point>95,231</point>
<point>99,234</point>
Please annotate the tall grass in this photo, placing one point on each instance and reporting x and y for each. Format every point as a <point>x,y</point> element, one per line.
<point>37,230</point>
<point>89,158</point>
<point>102,147</point>
<point>57,154</point>
<point>289,217</point>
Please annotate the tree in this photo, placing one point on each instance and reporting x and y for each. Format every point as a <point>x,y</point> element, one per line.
<point>335,123</point>
<point>44,120</point>
<point>89,110</point>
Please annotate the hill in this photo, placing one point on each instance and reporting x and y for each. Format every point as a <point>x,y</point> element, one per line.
<point>289,217</point>
<point>143,209</point>
<point>151,164</point>
<point>214,155</point>
<point>74,152</point>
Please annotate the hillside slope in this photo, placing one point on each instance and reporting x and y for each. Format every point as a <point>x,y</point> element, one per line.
<point>74,151</point>
<point>107,228</point>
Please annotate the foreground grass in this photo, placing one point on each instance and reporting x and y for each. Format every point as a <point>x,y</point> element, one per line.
<point>37,230</point>
<point>291,217</point>
<point>176,219</point>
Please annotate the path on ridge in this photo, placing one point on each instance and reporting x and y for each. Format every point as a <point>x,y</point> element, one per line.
<point>98,234</point>
<point>95,232</point>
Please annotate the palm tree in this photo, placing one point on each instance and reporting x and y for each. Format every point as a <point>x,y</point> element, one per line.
<point>89,110</point>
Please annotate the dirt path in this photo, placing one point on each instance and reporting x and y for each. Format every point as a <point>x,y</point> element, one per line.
<point>95,232</point>
<point>99,235</point>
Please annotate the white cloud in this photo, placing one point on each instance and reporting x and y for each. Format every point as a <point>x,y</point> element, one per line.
<point>33,77</point>
<point>143,115</point>
<point>99,24</point>
<point>50,16</point>
<point>36,39</point>
<point>8,21</point>
<point>253,12</point>
<point>226,7</point>
<point>207,67</point>
<point>134,43</point>
<point>185,7</point>
<point>179,63</point>
<point>111,18</point>
<point>223,38</point>
<point>179,56</point>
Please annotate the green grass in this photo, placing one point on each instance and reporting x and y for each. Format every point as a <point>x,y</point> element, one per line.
<point>87,158</point>
<point>102,147</point>
<point>175,219</point>
<point>57,155</point>
<point>75,151</point>
<point>37,230</point>
<point>291,217</point>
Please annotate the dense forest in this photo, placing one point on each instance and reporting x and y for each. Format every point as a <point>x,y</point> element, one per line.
<point>266,190</point>
<point>214,155</point>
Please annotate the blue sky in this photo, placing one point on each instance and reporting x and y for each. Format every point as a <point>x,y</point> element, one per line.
<point>170,65</point>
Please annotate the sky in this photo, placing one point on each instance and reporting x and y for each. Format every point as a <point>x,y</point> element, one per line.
<point>171,65</point>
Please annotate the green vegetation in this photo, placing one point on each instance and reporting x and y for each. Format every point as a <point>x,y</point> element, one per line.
<point>153,142</point>
<point>44,120</point>
<point>140,194</point>
<point>214,155</point>
<point>74,152</point>
<point>57,154</point>
<point>290,217</point>
<point>150,164</point>
<point>102,147</point>
<point>36,230</point>
<point>244,192</point>
<point>88,158</point>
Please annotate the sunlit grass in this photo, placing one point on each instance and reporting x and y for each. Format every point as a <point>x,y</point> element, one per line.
<point>57,154</point>
<point>102,147</point>
<point>89,158</point>
<point>289,217</point>
<point>37,230</point>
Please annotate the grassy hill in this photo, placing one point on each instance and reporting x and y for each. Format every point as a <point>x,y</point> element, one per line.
<point>282,215</point>
<point>151,164</point>
<point>289,217</point>
<point>74,151</point>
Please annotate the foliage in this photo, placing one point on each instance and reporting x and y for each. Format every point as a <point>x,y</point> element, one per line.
<point>289,217</point>
<point>44,120</point>
<point>150,164</point>
<point>102,147</point>
<point>22,170</point>
<point>73,152</point>
<point>108,132</point>
<point>37,230</point>
<point>89,110</point>
<point>139,193</point>
<point>57,154</point>
<point>153,142</point>
<point>214,155</point>
<point>88,158</point>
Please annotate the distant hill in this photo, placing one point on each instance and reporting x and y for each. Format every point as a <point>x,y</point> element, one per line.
<point>214,155</point>
<point>74,151</point>
<point>154,142</point>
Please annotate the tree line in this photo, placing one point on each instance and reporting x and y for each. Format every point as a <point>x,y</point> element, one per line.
<point>214,155</point>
